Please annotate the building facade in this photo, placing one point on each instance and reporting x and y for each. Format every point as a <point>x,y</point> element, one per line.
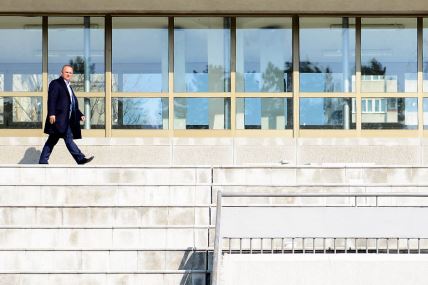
<point>244,69</point>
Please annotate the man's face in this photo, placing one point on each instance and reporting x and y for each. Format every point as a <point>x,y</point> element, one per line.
<point>67,73</point>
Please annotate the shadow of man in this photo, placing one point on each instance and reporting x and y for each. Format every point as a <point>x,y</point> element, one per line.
<point>31,156</point>
<point>194,260</point>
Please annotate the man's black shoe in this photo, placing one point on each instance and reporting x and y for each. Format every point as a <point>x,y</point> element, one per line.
<point>86,160</point>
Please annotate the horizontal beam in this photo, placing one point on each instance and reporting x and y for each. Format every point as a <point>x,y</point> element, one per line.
<point>415,7</point>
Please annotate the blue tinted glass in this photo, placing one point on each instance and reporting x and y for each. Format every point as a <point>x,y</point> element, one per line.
<point>20,54</point>
<point>140,54</point>
<point>264,113</point>
<point>202,113</point>
<point>327,54</point>
<point>202,55</point>
<point>388,55</point>
<point>263,55</point>
<point>140,113</point>
<point>78,41</point>
<point>327,113</point>
<point>425,55</point>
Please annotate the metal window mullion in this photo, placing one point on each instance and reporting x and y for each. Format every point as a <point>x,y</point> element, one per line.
<point>358,100</point>
<point>108,75</point>
<point>171,76</point>
<point>296,81</point>
<point>420,79</point>
<point>233,75</point>
<point>44,69</point>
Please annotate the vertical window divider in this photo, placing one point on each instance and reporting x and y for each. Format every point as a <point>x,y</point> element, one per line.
<point>108,75</point>
<point>233,75</point>
<point>420,26</point>
<point>296,79</point>
<point>358,98</point>
<point>171,76</point>
<point>44,68</point>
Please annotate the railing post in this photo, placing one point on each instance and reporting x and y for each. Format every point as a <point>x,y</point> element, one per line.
<point>217,242</point>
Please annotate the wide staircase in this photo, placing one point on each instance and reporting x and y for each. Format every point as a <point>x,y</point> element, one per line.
<point>149,225</point>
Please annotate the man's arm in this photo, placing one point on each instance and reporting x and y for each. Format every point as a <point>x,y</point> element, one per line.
<point>53,94</point>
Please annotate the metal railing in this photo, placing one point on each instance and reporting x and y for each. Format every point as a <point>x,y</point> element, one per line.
<point>314,245</point>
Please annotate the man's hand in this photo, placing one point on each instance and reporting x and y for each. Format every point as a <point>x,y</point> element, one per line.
<point>52,119</point>
<point>83,118</point>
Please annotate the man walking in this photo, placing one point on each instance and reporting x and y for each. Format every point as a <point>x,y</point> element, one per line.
<point>63,119</point>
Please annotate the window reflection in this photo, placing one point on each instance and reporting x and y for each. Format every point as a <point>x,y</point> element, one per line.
<point>78,41</point>
<point>388,55</point>
<point>327,113</point>
<point>202,113</point>
<point>389,113</point>
<point>425,55</point>
<point>327,54</point>
<point>264,113</point>
<point>263,55</point>
<point>93,109</point>
<point>21,112</point>
<point>140,54</point>
<point>21,54</point>
<point>202,54</point>
<point>140,113</point>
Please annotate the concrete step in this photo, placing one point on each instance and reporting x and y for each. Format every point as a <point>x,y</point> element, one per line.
<point>103,238</point>
<point>103,216</point>
<point>168,278</point>
<point>105,195</point>
<point>123,261</point>
<point>206,176</point>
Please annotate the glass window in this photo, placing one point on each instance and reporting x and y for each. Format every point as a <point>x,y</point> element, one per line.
<point>140,113</point>
<point>327,54</point>
<point>264,113</point>
<point>202,54</point>
<point>140,54</point>
<point>395,113</point>
<point>202,113</point>
<point>20,112</point>
<point>327,113</point>
<point>21,54</point>
<point>93,109</point>
<point>425,105</point>
<point>263,55</point>
<point>425,54</point>
<point>389,55</point>
<point>78,41</point>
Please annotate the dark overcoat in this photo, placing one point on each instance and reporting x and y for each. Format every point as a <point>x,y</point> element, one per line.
<point>59,106</point>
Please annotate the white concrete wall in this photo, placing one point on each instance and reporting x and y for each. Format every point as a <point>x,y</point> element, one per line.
<point>225,151</point>
<point>150,225</point>
<point>350,269</point>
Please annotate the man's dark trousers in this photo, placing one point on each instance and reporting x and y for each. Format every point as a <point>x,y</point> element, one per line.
<point>69,143</point>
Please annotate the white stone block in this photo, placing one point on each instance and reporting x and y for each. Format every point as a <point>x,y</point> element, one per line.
<point>182,195</point>
<point>127,216</point>
<point>95,261</point>
<point>126,238</point>
<point>123,261</point>
<point>180,238</point>
<point>17,216</point>
<point>87,238</point>
<point>154,216</point>
<point>181,216</point>
<point>152,260</point>
<point>48,216</point>
<point>155,279</point>
<point>152,238</point>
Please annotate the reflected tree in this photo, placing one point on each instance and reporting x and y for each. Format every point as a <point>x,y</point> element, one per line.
<point>373,68</point>
<point>78,64</point>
